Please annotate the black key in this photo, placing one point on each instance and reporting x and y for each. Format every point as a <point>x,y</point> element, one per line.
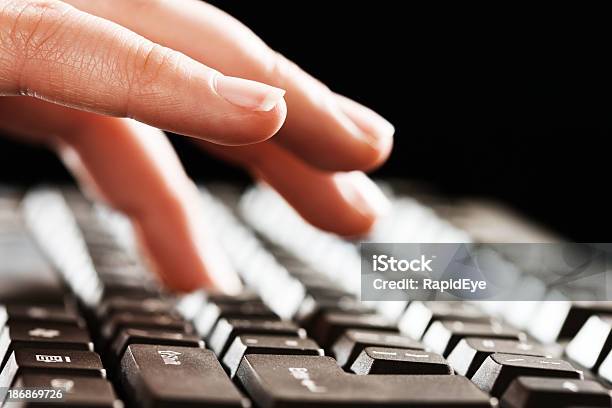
<point>352,342</point>
<point>443,336</point>
<point>331,325</point>
<point>54,362</point>
<point>384,360</point>
<point>279,345</point>
<point>420,315</point>
<point>592,343</point>
<point>534,392</point>
<point>244,296</point>
<point>309,381</point>
<point>42,313</point>
<point>312,308</point>
<point>227,329</point>
<point>124,320</point>
<point>44,336</point>
<point>499,370</point>
<point>132,288</point>
<point>212,312</point>
<point>140,336</point>
<point>168,376</point>
<point>471,352</point>
<point>151,306</point>
<point>76,391</point>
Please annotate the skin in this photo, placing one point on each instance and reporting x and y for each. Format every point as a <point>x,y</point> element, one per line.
<point>96,80</point>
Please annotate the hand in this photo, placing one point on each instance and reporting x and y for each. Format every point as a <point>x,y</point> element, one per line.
<point>72,71</point>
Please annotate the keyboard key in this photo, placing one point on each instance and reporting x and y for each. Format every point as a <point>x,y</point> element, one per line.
<point>124,320</point>
<point>420,315</point>
<point>3,316</point>
<point>605,369</point>
<point>227,329</point>
<point>534,392</point>
<point>471,352</point>
<point>308,381</point>
<point>443,336</point>
<point>54,362</point>
<point>499,370</point>
<point>77,391</point>
<point>383,360</point>
<point>279,345</point>
<point>330,326</point>
<point>352,342</point>
<point>150,306</point>
<point>168,376</point>
<point>592,343</point>
<point>42,313</point>
<point>44,336</point>
<point>311,308</point>
<point>140,336</point>
<point>561,320</point>
<point>212,312</point>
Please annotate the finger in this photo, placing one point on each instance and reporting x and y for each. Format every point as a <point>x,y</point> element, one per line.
<point>52,51</point>
<point>321,127</point>
<point>343,203</point>
<point>132,167</point>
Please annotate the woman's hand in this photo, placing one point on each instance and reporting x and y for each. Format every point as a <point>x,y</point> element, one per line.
<point>70,71</point>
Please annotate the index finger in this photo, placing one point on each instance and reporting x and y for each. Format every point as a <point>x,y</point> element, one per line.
<point>321,127</point>
<point>52,51</point>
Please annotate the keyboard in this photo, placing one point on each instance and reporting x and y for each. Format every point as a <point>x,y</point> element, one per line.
<point>83,323</point>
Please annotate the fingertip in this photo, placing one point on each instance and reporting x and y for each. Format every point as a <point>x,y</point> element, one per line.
<point>254,127</point>
<point>375,130</point>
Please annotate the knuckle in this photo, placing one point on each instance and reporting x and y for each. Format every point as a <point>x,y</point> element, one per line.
<point>149,71</point>
<point>151,61</point>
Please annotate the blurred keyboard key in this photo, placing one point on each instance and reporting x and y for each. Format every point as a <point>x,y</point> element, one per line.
<point>278,345</point>
<point>211,313</point>
<point>43,313</point>
<point>443,336</point>
<point>471,352</point>
<point>593,342</point>
<point>124,320</point>
<point>158,337</point>
<point>535,392</point>
<point>227,329</point>
<point>499,370</point>
<point>43,336</point>
<point>150,306</point>
<point>352,342</point>
<point>331,325</point>
<point>420,315</point>
<point>383,360</point>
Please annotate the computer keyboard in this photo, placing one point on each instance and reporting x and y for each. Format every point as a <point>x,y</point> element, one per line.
<point>80,313</point>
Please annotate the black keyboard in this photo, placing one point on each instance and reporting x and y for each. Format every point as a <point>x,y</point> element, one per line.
<point>80,314</point>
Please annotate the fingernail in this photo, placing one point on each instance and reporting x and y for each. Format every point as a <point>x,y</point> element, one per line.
<point>248,94</point>
<point>363,193</point>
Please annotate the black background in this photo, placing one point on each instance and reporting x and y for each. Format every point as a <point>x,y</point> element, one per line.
<point>512,104</point>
